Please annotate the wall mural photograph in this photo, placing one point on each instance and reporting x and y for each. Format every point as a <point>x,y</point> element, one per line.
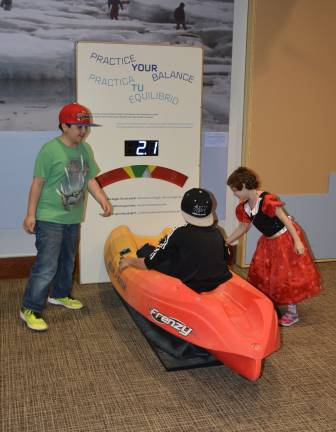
<point>37,49</point>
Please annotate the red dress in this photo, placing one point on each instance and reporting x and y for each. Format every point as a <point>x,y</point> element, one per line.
<point>276,269</point>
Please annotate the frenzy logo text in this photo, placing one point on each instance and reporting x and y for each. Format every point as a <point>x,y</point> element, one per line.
<point>172,322</point>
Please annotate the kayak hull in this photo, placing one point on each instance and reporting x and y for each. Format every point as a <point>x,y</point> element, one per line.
<point>235,322</point>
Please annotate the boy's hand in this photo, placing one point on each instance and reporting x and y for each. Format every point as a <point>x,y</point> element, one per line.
<point>124,262</point>
<point>131,261</point>
<point>29,224</point>
<point>107,208</point>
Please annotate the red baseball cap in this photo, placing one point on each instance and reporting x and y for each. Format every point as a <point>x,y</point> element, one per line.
<point>76,114</point>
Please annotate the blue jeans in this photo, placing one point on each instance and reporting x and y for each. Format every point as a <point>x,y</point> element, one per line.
<point>56,246</point>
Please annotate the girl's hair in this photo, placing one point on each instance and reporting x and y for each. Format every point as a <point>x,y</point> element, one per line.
<point>243,176</point>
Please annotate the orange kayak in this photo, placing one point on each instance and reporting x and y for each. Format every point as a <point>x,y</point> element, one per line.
<point>235,322</point>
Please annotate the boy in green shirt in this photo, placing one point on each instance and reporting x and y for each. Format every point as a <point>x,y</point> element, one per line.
<point>64,170</point>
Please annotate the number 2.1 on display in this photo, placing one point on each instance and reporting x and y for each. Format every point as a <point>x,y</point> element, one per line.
<point>141,148</point>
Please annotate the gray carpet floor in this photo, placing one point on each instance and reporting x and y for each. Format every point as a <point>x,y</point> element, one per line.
<point>94,371</point>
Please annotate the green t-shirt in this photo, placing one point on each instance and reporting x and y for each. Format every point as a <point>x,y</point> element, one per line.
<point>66,171</point>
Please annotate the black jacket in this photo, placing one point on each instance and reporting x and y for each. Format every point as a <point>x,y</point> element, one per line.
<point>196,255</point>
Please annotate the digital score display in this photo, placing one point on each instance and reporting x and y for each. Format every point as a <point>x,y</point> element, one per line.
<point>141,148</point>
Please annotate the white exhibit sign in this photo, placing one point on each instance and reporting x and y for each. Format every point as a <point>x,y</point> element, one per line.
<point>147,99</point>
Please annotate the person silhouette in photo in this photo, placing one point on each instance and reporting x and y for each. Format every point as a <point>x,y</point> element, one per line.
<point>179,16</point>
<point>114,6</point>
<point>6,4</point>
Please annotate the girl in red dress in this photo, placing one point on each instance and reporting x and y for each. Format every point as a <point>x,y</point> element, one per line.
<point>282,266</point>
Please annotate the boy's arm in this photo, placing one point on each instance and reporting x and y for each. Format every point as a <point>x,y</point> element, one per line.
<point>34,196</point>
<point>99,195</point>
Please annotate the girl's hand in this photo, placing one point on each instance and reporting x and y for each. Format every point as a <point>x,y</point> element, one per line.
<point>298,247</point>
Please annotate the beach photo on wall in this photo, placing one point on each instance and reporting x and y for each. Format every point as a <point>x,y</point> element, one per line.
<point>37,49</point>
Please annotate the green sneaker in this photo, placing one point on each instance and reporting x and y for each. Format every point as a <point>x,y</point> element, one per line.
<point>67,302</point>
<point>33,320</point>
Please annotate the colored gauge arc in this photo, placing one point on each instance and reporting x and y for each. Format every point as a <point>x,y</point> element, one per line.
<point>142,171</point>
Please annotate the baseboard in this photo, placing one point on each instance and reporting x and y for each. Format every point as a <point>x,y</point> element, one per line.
<point>19,267</point>
<point>16,267</point>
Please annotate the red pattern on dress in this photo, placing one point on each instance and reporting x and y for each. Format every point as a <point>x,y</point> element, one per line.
<point>276,269</point>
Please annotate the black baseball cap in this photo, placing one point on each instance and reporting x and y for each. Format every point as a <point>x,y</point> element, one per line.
<point>196,206</point>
